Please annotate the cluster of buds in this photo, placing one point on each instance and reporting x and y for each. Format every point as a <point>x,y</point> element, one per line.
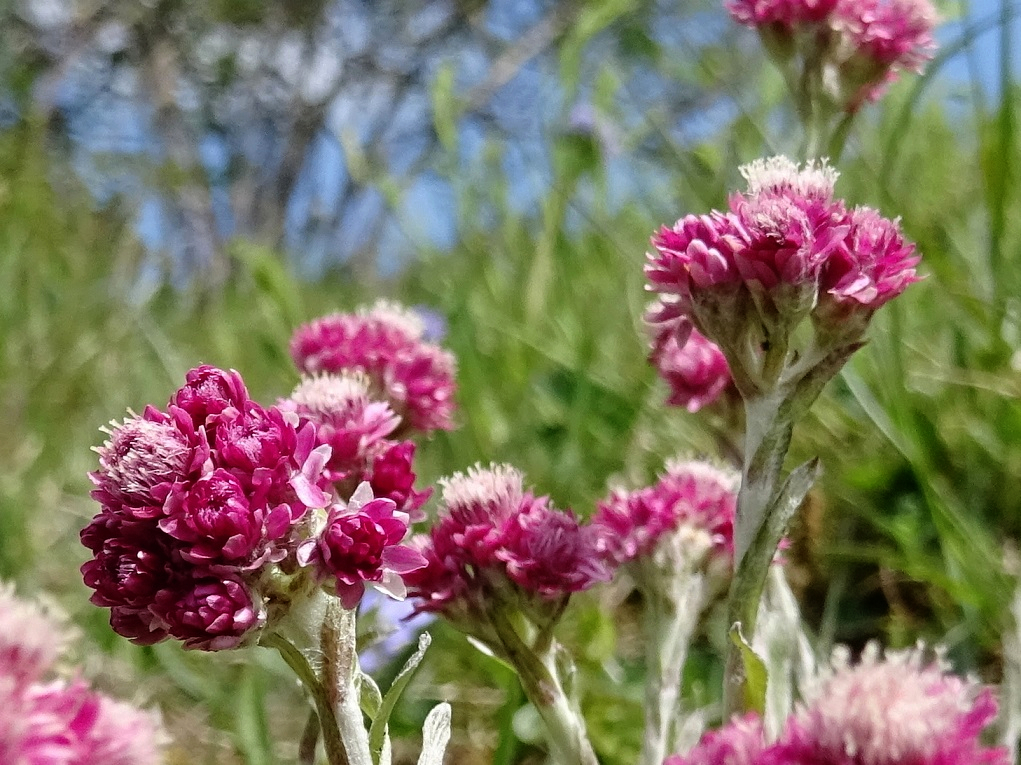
<point>56,721</point>
<point>388,344</point>
<point>496,545</point>
<point>843,51</point>
<point>785,251</point>
<point>216,513</point>
<point>882,711</point>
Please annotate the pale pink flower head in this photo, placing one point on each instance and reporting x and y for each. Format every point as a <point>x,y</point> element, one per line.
<point>123,735</point>
<point>739,742</point>
<point>893,35</point>
<point>361,542</point>
<point>144,458</point>
<point>897,710</point>
<point>691,494</point>
<point>31,638</point>
<point>385,342</point>
<point>696,369</point>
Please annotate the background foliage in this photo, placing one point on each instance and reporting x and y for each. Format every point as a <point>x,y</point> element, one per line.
<point>582,127</point>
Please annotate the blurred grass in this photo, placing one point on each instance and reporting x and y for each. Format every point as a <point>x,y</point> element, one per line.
<point>920,436</point>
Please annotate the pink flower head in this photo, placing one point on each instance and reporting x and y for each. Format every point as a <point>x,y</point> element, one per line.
<point>491,534</point>
<point>696,370</point>
<point>31,638</point>
<point>144,458</point>
<point>360,543</point>
<point>57,722</point>
<point>208,391</point>
<point>386,343</point>
<point>549,553</point>
<point>739,742</point>
<point>691,494</point>
<point>858,45</point>
<point>210,613</point>
<point>785,250</point>
<point>896,710</point>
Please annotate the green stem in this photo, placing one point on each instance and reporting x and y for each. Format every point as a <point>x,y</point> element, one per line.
<point>294,659</point>
<point>669,625</point>
<point>568,739</point>
<point>768,431</point>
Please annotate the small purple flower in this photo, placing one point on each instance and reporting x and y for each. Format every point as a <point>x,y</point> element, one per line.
<point>209,613</point>
<point>361,543</point>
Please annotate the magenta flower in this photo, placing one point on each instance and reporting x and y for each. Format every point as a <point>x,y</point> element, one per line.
<point>739,742</point>
<point>896,710</point>
<point>385,343</point>
<point>210,613</point>
<point>691,494</point>
<point>217,522</point>
<point>696,370</point>
<point>196,502</point>
<point>785,250</point>
<point>858,46</point>
<point>209,391</point>
<point>493,535</point>
<point>361,542</point>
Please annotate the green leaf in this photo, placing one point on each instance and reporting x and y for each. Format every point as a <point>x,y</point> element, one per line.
<point>378,730</point>
<point>755,674</point>
<point>445,107</point>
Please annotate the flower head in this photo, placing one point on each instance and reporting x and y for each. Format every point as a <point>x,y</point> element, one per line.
<point>785,250</point>
<point>897,710</point>
<point>361,542</point>
<point>208,612</point>
<point>696,369</point>
<point>31,638</point>
<point>493,538</point>
<point>208,391</point>
<point>739,742</point>
<point>691,494</point>
<point>386,343</point>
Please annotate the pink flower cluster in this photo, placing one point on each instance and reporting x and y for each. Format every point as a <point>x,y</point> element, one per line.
<point>195,501</point>
<point>493,537</point>
<point>387,344</point>
<point>893,711</point>
<point>864,42</point>
<point>692,494</point>
<point>784,250</point>
<point>58,722</point>
<point>358,431</point>
<point>696,370</point>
